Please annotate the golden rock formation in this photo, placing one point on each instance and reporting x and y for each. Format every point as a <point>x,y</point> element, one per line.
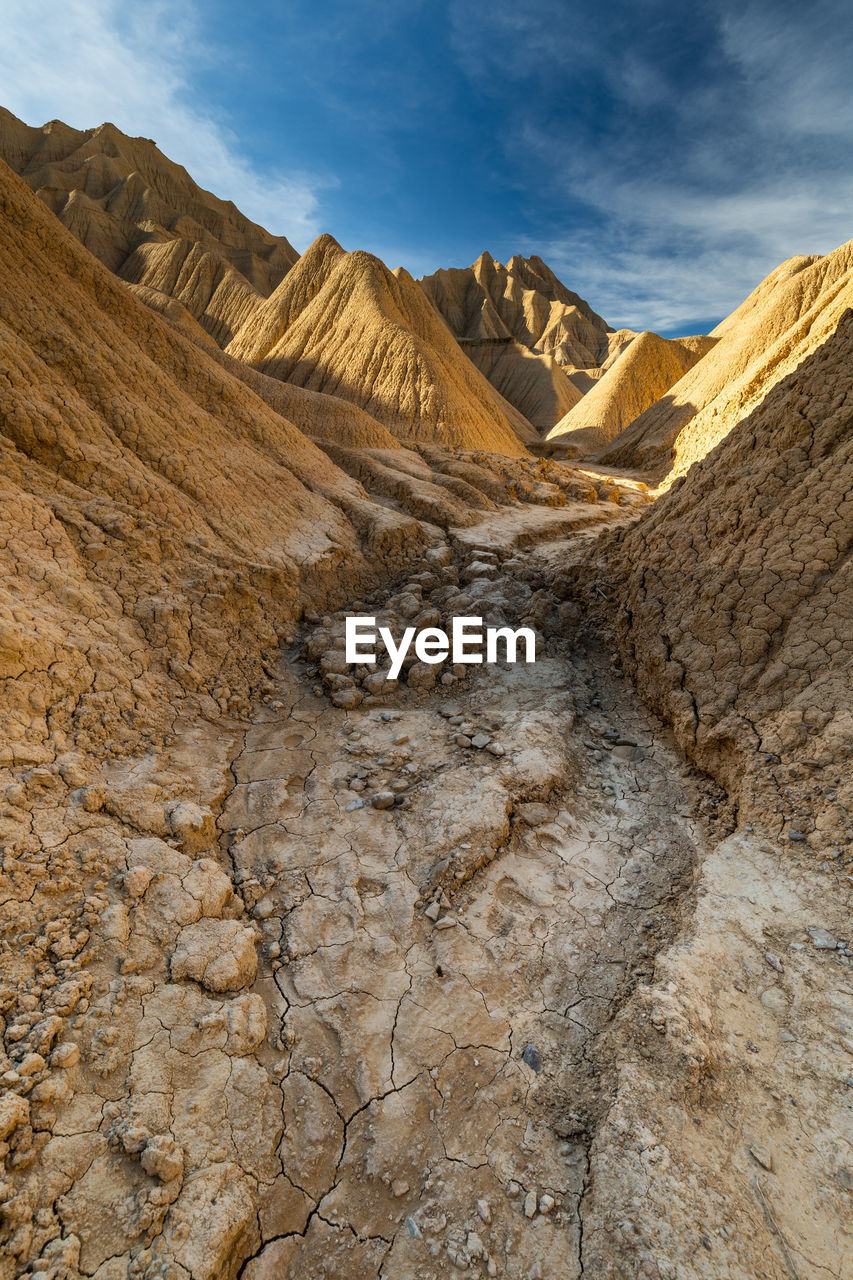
<point>642,372</point>
<point>787,317</point>
<point>526,331</point>
<point>343,324</point>
<point>146,219</point>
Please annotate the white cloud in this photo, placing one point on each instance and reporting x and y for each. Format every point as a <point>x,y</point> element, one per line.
<point>689,193</point>
<point>89,61</point>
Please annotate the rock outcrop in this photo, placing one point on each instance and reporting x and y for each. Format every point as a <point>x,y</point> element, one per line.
<point>343,324</point>
<point>782,322</point>
<point>144,218</point>
<point>640,375</point>
<point>526,331</point>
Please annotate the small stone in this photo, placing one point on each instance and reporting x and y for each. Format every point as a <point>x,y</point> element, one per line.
<point>14,1113</point>
<point>480,740</point>
<point>495,749</point>
<point>762,1156</point>
<point>31,1064</point>
<point>532,1057</point>
<point>399,1188</point>
<point>531,1204</point>
<point>413,1229</point>
<point>512,1189</point>
<point>462,740</point>
<point>162,1158</point>
<point>821,939</point>
<point>347,699</point>
<point>774,962</point>
<point>546,1203</point>
<point>358,803</point>
<point>193,826</point>
<point>382,800</point>
<point>446,922</point>
<point>433,911</point>
<point>484,1211</point>
<point>136,880</point>
<point>65,1055</point>
<point>474,1245</point>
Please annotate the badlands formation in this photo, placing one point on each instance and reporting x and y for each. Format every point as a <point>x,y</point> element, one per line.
<point>536,972</point>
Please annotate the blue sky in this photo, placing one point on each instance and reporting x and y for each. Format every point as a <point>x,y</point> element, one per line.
<point>661,158</point>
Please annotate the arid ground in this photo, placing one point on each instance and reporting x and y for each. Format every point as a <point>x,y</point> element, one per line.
<point>532,971</point>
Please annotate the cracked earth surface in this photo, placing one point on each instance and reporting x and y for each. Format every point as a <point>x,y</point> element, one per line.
<point>493,1024</point>
<point>440,1073</point>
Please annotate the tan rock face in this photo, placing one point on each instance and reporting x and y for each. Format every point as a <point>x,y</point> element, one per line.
<point>142,533</point>
<point>146,219</point>
<point>525,331</point>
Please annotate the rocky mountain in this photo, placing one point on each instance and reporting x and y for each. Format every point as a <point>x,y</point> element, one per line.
<point>540,344</point>
<point>144,218</point>
<point>343,324</point>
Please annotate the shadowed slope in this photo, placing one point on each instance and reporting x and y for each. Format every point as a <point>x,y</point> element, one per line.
<point>739,594</point>
<point>343,324</point>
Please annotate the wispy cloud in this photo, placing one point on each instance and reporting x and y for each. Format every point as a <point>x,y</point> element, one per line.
<point>718,141</point>
<point>87,61</point>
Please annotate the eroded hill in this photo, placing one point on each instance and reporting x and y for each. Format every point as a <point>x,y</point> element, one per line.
<point>627,387</point>
<point>343,324</point>
<point>144,218</point>
<point>540,344</point>
<point>786,318</point>
<point>493,970</point>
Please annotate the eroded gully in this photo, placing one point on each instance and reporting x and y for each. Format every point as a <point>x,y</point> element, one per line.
<point>445,972</point>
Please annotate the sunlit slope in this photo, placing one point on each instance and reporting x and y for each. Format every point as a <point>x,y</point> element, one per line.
<point>782,322</point>
<point>141,482</point>
<point>643,372</point>
<point>343,324</point>
<point>147,220</point>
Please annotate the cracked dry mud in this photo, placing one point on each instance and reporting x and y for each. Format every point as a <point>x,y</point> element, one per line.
<point>437,1075</point>
<point>403,1078</point>
<point>289,1034</point>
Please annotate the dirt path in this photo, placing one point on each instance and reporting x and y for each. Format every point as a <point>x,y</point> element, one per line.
<point>443,968</point>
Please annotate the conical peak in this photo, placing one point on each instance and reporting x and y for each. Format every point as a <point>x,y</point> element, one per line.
<point>323,244</point>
